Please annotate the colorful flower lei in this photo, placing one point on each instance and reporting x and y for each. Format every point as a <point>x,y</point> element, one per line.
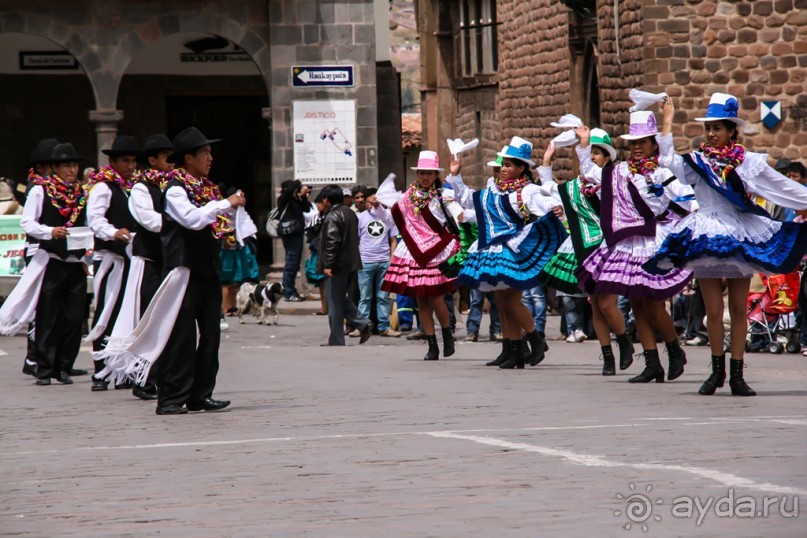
<point>202,191</point>
<point>107,174</point>
<point>645,167</point>
<point>68,198</point>
<point>724,159</point>
<point>152,177</point>
<point>34,178</point>
<point>420,198</point>
<point>515,185</point>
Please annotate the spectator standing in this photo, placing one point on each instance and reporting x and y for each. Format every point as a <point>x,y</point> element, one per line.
<point>292,204</point>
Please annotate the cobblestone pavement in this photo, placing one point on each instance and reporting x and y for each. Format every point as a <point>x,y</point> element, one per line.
<point>372,441</point>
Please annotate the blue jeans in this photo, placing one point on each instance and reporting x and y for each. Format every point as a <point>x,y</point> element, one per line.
<point>535,301</point>
<point>573,312</point>
<point>475,313</point>
<point>406,311</point>
<point>371,275</point>
<point>293,246</point>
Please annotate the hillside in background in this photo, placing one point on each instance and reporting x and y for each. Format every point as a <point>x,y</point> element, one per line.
<point>405,52</point>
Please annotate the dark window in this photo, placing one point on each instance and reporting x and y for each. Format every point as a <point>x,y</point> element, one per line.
<point>478,52</point>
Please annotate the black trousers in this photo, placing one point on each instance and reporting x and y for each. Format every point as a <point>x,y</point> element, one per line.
<point>100,343</point>
<point>59,317</point>
<point>341,307</point>
<point>152,278</point>
<point>188,371</point>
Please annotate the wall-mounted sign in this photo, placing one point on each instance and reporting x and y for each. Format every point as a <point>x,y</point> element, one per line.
<point>770,113</point>
<point>325,141</point>
<point>40,59</point>
<point>317,76</point>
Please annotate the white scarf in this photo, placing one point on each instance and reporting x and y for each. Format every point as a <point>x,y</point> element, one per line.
<point>113,266</point>
<point>131,357</point>
<point>19,309</point>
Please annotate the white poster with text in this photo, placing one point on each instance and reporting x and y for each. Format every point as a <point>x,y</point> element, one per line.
<point>325,141</point>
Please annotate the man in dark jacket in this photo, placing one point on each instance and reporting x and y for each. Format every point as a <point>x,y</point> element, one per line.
<point>339,260</point>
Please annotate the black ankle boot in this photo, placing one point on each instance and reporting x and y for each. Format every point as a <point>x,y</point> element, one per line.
<point>503,355</point>
<point>516,358</point>
<point>625,351</point>
<point>738,385</point>
<point>434,352</point>
<point>537,347</point>
<point>608,361</point>
<point>652,369</point>
<point>448,343</point>
<point>717,378</point>
<point>678,358</point>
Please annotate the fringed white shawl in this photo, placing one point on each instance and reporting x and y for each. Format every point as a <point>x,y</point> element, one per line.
<point>131,357</point>
<point>112,265</point>
<point>19,309</point>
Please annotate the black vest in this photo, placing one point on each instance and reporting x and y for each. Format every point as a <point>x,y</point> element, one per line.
<point>50,217</point>
<point>147,244</point>
<point>118,216</point>
<point>197,250</point>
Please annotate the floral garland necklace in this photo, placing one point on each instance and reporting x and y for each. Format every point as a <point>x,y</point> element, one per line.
<point>107,174</point>
<point>33,177</point>
<point>725,158</point>
<point>515,185</point>
<point>202,191</point>
<point>69,199</point>
<point>420,197</point>
<point>645,167</point>
<point>152,177</point>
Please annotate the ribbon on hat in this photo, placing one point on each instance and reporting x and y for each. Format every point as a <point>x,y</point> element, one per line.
<point>644,100</point>
<point>727,109</point>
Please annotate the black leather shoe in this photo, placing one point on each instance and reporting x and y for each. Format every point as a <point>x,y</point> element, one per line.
<point>77,371</point>
<point>208,404</point>
<point>366,333</point>
<point>173,409</point>
<point>148,392</point>
<point>29,368</point>
<point>43,381</point>
<point>64,379</point>
<point>128,384</point>
<point>99,385</point>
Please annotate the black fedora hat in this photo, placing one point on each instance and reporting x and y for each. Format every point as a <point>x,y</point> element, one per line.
<point>43,150</point>
<point>122,145</point>
<point>155,144</point>
<point>65,153</point>
<point>187,141</point>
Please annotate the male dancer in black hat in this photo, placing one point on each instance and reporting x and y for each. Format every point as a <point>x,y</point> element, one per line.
<point>145,205</point>
<point>55,205</point>
<point>112,223</point>
<point>194,217</point>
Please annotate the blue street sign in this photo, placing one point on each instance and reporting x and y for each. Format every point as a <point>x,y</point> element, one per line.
<point>310,76</point>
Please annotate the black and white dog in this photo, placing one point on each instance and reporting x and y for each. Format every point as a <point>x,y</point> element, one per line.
<point>260,300</point>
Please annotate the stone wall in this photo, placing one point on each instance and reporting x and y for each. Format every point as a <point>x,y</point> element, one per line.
<point>477,118</point>
<point>756,51</point>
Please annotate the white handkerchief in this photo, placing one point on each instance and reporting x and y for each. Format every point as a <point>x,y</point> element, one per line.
<point>80,237</point>
<point>386,193</point>
<point>244,225</point>
<point>566,121</point>
<point>565,139</point>
<point>644,100</point>
<point>457,146</point>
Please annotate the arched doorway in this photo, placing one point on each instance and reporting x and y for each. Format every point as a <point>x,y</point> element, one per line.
<point>207,81</point>
<point>44,93</point>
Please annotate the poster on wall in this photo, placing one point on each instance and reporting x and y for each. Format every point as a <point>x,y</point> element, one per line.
<point>325,141</point>
<point>12,245</point>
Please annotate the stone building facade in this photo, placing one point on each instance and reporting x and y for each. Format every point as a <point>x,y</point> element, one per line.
<point>582,57</point>
<point>114,89</point>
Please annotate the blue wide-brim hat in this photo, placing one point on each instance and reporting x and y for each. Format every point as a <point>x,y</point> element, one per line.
<point>518,149</point>
<point>723,106</point>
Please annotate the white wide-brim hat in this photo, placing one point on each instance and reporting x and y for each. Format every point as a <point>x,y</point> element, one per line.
<point>519,149</point>
<point>428,160</point>
<point>642,124</point>
<point>723,106</point>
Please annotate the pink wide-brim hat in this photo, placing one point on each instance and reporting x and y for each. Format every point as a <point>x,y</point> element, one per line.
<point>642,124</point>
<point>428,160</point>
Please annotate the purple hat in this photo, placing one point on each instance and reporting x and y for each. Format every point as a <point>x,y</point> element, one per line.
<point>642,125</point>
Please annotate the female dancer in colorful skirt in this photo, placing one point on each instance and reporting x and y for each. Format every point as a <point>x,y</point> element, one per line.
<point>513,246</point>
<point>635,213</point>
<point>429,239</point>
<point>581,205</point>
<point>730,236</point>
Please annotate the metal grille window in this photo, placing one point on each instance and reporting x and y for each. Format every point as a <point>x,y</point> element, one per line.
<point>478,37</point>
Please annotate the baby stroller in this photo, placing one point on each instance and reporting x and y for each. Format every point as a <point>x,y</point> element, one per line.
<point>771,316</point>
